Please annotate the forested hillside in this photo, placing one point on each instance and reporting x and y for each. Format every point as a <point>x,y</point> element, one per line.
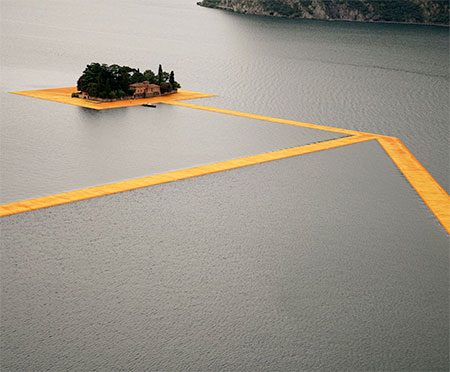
<point>409,11</point>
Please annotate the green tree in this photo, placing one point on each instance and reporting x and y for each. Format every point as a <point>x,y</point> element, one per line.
<point>103,81</point>
<point>172,81</point>
<point>124,80</point>
<point>150,76</point>
<point>160,75</point>
<point>137,77</point>
<point>89,77</point>
<point>165,87</point>
<point>92,90</point>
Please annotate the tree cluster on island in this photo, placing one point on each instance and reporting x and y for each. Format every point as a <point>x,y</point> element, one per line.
<point>113,82</point>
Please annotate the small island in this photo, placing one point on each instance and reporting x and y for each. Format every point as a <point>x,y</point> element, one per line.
<point>103,87</point>
<point>105,83</point>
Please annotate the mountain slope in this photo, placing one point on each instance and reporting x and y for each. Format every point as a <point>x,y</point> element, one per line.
<point>408,11</point>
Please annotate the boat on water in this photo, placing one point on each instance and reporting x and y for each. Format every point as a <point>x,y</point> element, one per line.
<point>149,105</point>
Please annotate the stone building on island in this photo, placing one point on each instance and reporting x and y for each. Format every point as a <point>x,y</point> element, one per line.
<point>145,90</point>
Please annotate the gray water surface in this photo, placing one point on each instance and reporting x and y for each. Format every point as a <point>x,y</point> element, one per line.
<point>323,262</point>
<point>274,267</point>
<point>387,79</point>
<point>99,147</point>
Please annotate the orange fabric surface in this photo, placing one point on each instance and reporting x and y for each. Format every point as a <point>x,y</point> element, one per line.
<point>426,186</point>
<point>92,192</point>
<point>429,190</point>
<point>64,95</point>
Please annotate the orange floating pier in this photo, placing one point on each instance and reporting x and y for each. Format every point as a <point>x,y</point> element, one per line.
<point>64,95</point>
<point>429,190</point>
<point>93,192</point>
<point>268,118</point>
<point>426,186</point>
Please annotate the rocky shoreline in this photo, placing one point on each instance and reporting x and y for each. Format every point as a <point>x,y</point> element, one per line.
<point>423,12</point>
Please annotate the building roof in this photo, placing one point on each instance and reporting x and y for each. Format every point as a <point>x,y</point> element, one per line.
<point>144,84</point>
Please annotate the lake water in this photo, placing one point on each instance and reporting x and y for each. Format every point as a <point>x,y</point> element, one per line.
<point>386,79</point>
<point>328,261</point>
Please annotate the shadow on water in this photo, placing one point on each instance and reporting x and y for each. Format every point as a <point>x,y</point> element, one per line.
<point>89,114</point>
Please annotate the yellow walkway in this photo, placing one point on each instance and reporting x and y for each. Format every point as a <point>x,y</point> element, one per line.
<point>92,192</point>
<point>64,95</point>
<point>422,181</point>
<point>425,185</point>
<point>268,118</point>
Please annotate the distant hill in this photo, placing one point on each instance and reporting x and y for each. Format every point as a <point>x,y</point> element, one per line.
<point>398,11</point>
